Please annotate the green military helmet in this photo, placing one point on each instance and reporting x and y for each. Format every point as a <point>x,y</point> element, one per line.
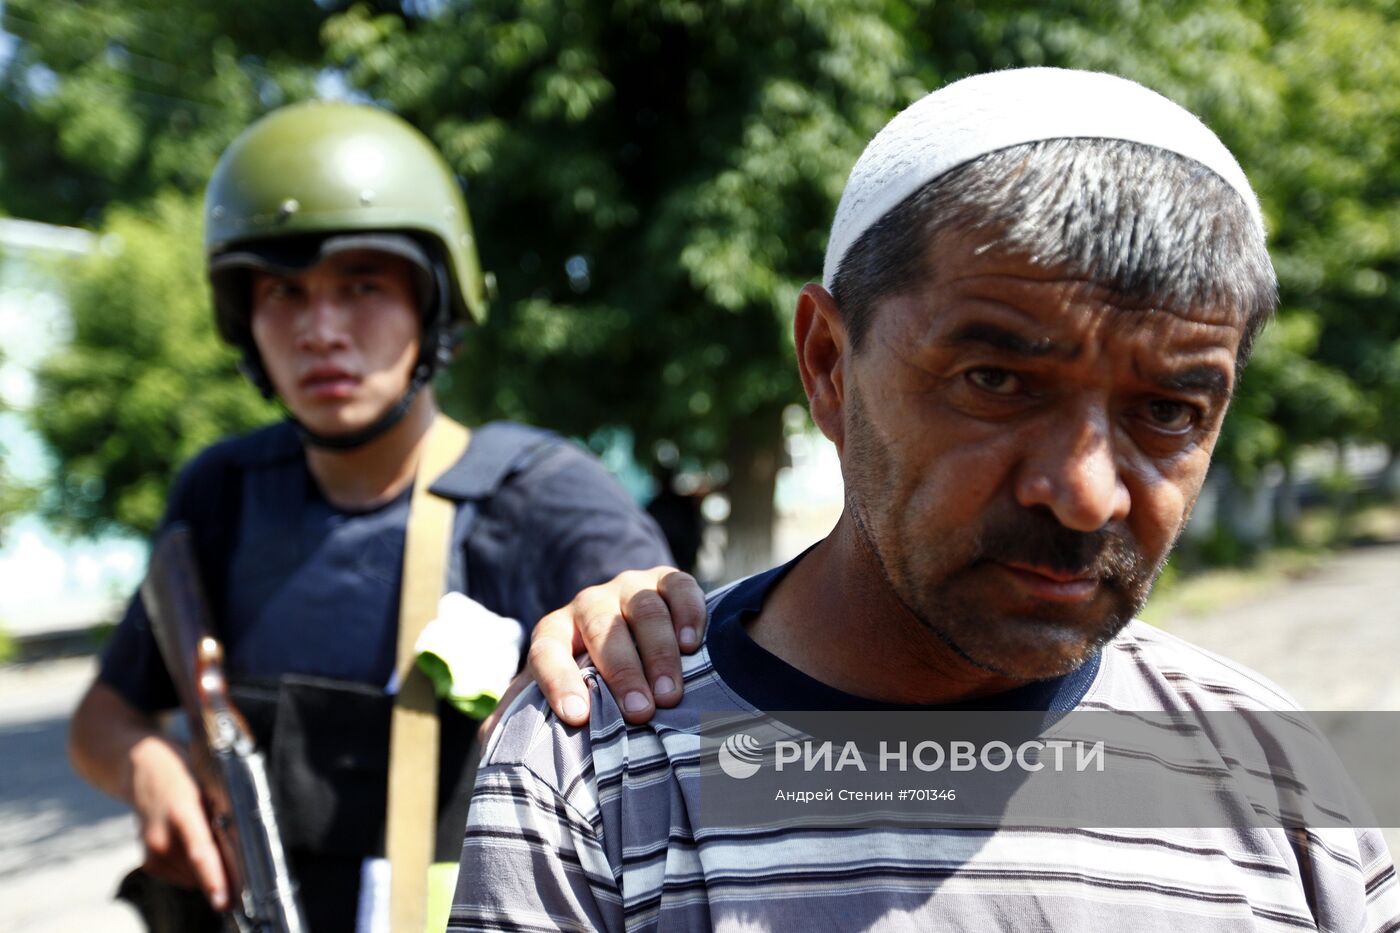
<point>322,168</point>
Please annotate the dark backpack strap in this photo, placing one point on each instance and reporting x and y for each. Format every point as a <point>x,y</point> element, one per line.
<point>497,451</point>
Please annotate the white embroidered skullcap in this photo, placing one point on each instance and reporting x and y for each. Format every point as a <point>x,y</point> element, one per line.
<point>988,112</point>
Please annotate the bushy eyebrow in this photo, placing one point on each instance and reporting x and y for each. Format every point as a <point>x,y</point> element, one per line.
<point>982,334</point>
<point>1209,379</point>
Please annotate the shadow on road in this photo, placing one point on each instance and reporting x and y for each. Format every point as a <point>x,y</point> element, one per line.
<point>44,807</point>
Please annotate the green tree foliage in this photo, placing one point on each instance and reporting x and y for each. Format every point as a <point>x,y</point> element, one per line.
<point>126,104</point>
<point>113,100</point>
<point>146,382</point>
<point>652,183</point>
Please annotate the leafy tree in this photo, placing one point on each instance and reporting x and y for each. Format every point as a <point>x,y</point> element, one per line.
<point>1339,165</point>
<point>652,184</point>
<point>115,112</point>
<point>14,498</point>
<point>146,382</point>
<point>650,192</point>
<point>112,101</point>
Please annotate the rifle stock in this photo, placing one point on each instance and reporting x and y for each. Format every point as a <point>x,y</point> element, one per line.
<point>230,770</point>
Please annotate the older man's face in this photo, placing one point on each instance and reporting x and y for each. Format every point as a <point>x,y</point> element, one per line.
<point>1021,450</point>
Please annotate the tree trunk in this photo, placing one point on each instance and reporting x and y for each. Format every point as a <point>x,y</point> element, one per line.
<point>1390,476</point>
<point>1250,514</point>
<point>755,454</point>
<point>1288,510</point>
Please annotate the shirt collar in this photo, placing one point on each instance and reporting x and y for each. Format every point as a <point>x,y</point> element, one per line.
<point>770,683</point>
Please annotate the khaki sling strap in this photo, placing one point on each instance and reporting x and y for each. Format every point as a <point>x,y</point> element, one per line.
<point>413,743</point>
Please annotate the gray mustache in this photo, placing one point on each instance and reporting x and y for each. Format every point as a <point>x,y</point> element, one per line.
<point>1035,537</point>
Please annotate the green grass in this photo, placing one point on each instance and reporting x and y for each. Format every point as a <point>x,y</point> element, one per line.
<point>1374,522</point>
<point>1204,591</point>
<point>1320,532</point>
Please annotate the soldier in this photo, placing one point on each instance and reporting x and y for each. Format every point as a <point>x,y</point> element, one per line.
<point>344,269</point>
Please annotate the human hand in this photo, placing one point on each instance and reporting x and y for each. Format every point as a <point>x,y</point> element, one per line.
<point>634,628</point>
<point>175,832</point>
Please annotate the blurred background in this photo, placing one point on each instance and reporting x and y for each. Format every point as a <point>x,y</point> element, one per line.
<point>651,182</point>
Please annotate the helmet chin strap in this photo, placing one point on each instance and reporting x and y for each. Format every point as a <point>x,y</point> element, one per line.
<point>392,416</point>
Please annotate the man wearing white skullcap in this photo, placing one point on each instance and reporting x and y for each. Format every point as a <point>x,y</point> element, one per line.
<point>1040,289</point>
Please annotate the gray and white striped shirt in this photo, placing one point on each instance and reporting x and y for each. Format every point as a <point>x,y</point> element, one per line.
<point>598,828</point>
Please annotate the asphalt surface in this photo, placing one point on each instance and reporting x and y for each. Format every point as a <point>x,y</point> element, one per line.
<point>1332,639</point>
<point>65,845</point>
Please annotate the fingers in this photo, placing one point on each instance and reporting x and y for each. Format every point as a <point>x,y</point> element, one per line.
<point>164,858</point>
<point>633,628</point>
<point>553,645</point>
<point>598,613</point>
<point>687,605</point>
<point>203,854</point>
<point>175,870</point>
<point>174,830</point>
<point>653,630</point>
<point>665,610</point>
<point>180,849</point>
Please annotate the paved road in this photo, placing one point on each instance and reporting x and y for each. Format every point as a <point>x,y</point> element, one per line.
<point>65,845</point>
<point>1331,639</point>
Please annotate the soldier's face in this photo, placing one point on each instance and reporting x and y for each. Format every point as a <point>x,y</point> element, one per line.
<point>338,340</point>
<point>1021,449</point>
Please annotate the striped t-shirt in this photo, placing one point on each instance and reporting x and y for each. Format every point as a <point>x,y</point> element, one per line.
<point>598,828</point>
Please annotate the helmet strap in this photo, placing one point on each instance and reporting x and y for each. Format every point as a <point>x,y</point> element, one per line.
<point>392,416</point>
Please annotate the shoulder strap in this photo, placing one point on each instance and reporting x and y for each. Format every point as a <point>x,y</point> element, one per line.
<point>413,735</point>
<point>497,451</point>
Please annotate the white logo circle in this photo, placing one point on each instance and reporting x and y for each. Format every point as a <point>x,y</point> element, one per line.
<point>740,756</point>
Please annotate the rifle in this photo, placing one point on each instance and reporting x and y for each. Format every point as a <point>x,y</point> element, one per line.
<point>228,767</point>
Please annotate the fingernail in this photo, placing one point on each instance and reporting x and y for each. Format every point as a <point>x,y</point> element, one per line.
<point>687,636</point>
<point>665,685</point>
<point>219,899</point>
<point>635,702</point>
<point>575,708</point>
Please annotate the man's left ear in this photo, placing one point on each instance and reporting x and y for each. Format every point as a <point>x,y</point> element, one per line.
<point>819,335</point>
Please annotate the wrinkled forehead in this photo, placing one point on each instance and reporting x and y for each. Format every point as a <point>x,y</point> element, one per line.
<point>979,298</point>
<point>984,259</point>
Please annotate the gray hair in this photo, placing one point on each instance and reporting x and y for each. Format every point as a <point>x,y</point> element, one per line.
<point>1152,226</point>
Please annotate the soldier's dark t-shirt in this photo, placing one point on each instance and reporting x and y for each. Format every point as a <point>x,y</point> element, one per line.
<point>299,586</point>
<point>306,600</point>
